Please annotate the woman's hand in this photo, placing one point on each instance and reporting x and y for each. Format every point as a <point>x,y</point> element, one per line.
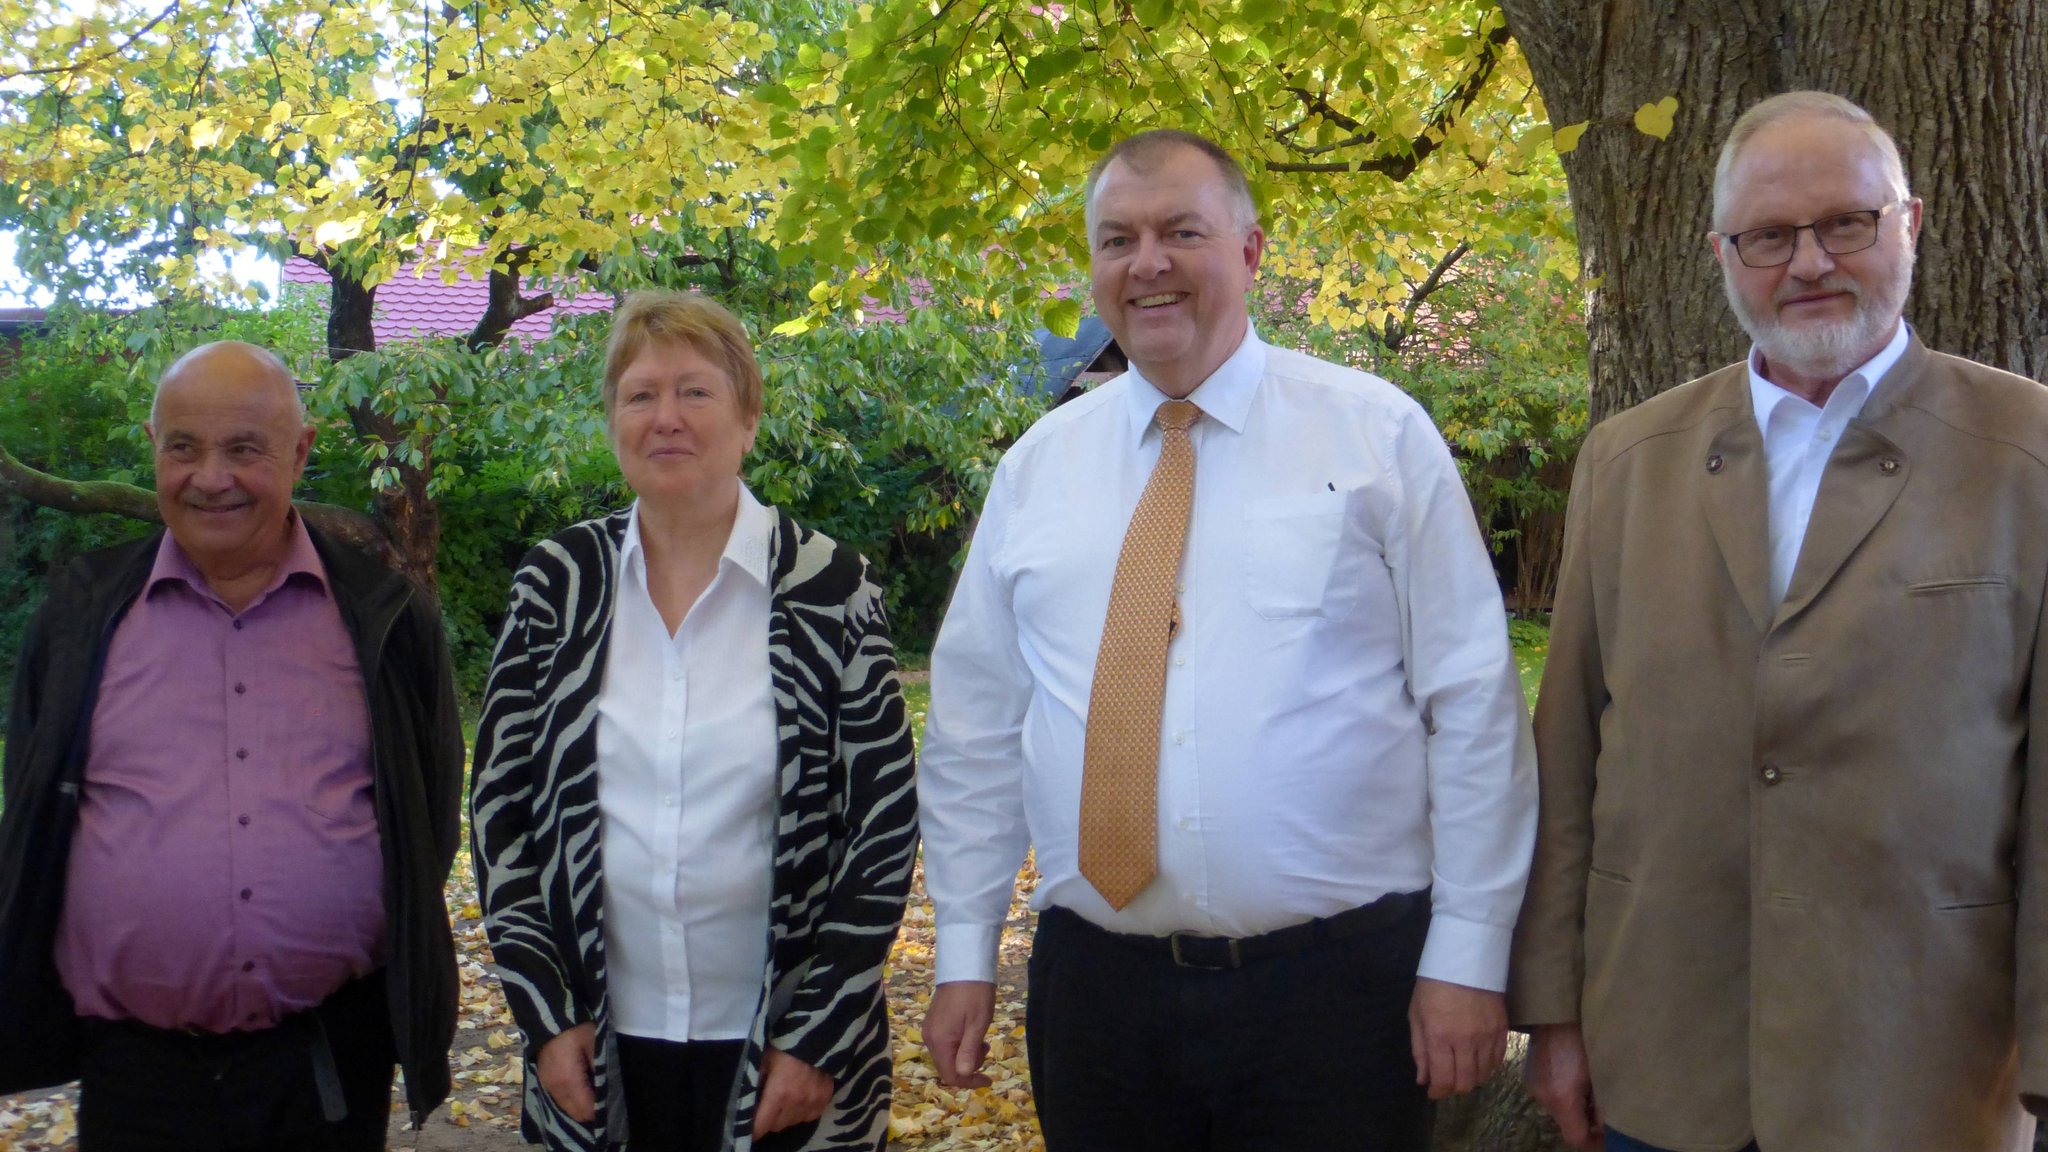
<point>792,1093</point>
<point>564,1065</point>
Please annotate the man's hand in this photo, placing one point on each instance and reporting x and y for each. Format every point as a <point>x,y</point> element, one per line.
<point>792,1092</point>
<point>956,1031</point>
<point>1559,1078</point>
<point>564,1064</point>
<point>1459,1035</point>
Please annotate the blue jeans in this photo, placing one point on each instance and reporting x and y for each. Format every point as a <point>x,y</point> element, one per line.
<point>1619,1142</point>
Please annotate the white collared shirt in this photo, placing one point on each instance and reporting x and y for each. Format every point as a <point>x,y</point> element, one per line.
<point>1798,439</point>
<point>686,788</point>
<point>1342,717</point>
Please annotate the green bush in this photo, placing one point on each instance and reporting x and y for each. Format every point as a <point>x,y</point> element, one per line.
<point>1498,358</point>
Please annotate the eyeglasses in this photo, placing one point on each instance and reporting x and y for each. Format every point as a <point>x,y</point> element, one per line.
<point>1838,235</point>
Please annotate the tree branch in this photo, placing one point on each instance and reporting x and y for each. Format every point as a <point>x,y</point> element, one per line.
<point>507,307</point>
<point>78,65</point>
<point>1397,332</point>
<point>107,497</point>
<point>1398,163</point>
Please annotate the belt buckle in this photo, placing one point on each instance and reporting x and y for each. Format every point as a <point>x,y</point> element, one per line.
<point>1173,944</point>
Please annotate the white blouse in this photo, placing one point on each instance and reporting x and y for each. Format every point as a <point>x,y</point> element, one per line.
<point>686,786</point>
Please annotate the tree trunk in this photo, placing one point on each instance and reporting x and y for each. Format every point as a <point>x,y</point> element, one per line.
<point>411,519</point>
<point>506,307</point>
<point>1961,84</point>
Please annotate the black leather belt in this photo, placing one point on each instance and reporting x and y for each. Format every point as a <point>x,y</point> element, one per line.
<point>1193,950</point>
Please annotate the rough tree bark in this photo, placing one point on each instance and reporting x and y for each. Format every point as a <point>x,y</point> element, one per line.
<point>1962,85</point>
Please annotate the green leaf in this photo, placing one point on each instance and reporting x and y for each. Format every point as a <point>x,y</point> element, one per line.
<point>1063,318</point>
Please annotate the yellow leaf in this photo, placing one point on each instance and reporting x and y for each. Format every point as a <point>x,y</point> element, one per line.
<point>280,112</point>
<point>140,138</point>
<point>207,132</point>
<point>1655,119</point>
<point>1567,138</point>
<point>337,231</point>
<point>796,327</point>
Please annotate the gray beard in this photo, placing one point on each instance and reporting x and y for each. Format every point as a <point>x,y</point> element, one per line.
<point>1833,349</point>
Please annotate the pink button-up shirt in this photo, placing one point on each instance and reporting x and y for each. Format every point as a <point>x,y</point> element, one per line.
<point>226,870</point>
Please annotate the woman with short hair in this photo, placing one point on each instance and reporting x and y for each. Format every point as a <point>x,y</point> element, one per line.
<point>693,808</point>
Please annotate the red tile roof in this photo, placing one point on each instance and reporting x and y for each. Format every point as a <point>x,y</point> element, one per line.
<point>413,304</point>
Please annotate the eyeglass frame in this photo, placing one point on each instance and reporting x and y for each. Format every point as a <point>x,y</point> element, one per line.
<point>1876,215</point>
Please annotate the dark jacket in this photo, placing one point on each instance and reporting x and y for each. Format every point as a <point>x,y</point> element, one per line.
<point>417,755</point>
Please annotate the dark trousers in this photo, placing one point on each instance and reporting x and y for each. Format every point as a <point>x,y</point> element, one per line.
<point>144,1089</point>
<point>1130,1052</point>
<point>677,1093</point>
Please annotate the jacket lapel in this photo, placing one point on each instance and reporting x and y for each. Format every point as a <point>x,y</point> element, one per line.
<point>1865,474</point>
<point>1737,500</point>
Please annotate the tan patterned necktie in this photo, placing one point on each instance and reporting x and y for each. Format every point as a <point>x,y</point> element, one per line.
<point>1120,778</point>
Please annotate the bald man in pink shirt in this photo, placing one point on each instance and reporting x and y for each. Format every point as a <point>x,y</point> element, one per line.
<point>232,774</point>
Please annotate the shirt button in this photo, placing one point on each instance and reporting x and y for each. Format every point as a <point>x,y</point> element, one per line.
<point>241,753</point>
<point>1184,824</point>
<point>1770,774</point>
<point>1180,737</point>
<point>1180,661</point>
<point>668,801</point>
<point>243,819</point>
<point>241,688</point>
<point>248,892</point>
<point>248,965</point>
<point>238,628</point>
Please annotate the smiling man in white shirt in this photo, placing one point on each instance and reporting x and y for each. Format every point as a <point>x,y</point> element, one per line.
<point>1282,679</point>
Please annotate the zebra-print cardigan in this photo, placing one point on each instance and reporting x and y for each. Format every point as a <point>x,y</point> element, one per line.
<point>845,830</point>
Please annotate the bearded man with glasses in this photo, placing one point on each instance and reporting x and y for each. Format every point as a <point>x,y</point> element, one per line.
<point>1791,880</point>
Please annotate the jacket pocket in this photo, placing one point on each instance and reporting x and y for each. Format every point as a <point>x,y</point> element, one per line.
<point>1968,906</point>
<point>1954,584</point>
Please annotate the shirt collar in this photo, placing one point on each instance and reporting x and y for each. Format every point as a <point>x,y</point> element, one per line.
<point>1225,397</point>
<point>300,559</point>
<point>1853,391</point>
<point>746,548</point>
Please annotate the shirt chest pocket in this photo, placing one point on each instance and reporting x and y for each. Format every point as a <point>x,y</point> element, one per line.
<point>1291,545</point>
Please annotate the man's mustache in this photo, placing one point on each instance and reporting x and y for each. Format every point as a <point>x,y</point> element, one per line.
<point>1833,282</point>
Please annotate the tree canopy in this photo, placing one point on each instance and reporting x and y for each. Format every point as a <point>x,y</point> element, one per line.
<point>1386,140</point>
<point>522,137</point>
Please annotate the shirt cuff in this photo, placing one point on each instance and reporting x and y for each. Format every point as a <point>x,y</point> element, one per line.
<point>966,952</point>
<point>1466,952</point>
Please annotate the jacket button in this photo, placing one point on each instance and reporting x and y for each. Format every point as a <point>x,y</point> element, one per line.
<point>1770,774</point>
<point>1888,465</point>
<point>1714,463</point>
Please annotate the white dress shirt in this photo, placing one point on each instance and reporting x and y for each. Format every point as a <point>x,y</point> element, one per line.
<point>686,778</point>
<point>1798,439</point>
<point>1342,716</point>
